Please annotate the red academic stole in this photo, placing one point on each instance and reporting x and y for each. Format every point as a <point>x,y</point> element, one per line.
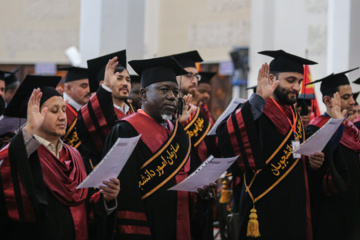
<point>350,137</point>
<point>120,114</point>
<point>171,152</point>
<point>243,140</point>
<point>71,138</point>
<point>18,205</point>
<point>61,176</point>
<point>171,149</point>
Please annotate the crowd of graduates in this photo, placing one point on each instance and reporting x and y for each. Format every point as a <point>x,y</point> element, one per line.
<point>277,194</point>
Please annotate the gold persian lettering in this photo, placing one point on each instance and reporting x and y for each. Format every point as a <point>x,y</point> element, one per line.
<point>72,139</point>
<point>283,163</point>
<point>168,159</point>
<point>299,133</point>
<point>199,126</point>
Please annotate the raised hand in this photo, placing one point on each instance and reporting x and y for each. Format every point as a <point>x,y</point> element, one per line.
<point>187,108</point>
<point>34,117</point>
<point>110,75</point>
<point>335,107</point>
<point>264,88</point>
<point>195,99</point>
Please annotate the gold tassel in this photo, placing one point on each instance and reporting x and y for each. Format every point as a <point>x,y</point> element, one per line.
<point>225,194</point>
<point>253,224</point>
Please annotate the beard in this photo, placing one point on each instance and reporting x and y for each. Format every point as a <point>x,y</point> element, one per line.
<point>166,117</point>
<point>120,96</point>
<point>283,96</point>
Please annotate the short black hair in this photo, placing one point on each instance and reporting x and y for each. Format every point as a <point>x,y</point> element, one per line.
<point>330,92</point>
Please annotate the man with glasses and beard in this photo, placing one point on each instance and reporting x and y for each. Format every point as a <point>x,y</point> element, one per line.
<point>274,201</point>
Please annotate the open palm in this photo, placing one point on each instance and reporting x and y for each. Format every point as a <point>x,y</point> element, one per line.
<point>34,117</point>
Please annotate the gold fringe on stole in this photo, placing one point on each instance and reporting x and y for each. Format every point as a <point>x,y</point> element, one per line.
<point>225,193</point>
<point>253,224</point>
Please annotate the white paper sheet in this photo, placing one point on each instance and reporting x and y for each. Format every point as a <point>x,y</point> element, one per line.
<point>230,108</point>
<point>112,164</point>
<point>10,124</point>
<point>208,172</point>
<point>320,138</point>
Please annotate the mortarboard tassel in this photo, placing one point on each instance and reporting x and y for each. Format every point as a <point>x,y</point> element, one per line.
<point>253,224</point>
<point>225,193</point>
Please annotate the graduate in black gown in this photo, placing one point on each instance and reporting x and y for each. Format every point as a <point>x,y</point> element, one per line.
<point>336,194</point>
<point>159,161</point>
<point>39,174</point>
<point>274,202</point>
<point>106,106</point>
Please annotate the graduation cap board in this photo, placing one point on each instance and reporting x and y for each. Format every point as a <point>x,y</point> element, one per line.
<point>188,59</point>
<point>96,67</point>
<point>9,78</point>
<point>286,62</point>
<point>17,107</point>
<point>357,81</point>
<point>155,70</point>
<point>206,77</point>
<point>75,73</point>
<point>333,81</point>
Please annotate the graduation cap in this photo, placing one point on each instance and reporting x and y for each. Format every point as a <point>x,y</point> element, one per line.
<point>135,78</point>
<point>17,107</point>
<point>206,77</point>
<point>10,79</point>
<point>162,69</point>
<point>4,75</point>
<point>357,81</point>
<point>188,59</point>
<point>333,81</point>
<point>96,67</point>
<point>75,73</point>
<point>286,62</point>
<point>252,87</point>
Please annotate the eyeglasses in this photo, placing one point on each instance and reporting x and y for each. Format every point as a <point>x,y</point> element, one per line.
<point>191,76</point>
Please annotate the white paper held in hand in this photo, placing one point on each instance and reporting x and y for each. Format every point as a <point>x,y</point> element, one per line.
<point>320,138</point>
<point>112,164</point>
<point>208,172</point>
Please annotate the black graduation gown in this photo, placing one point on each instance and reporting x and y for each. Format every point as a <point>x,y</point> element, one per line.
<point>38,213</point>
<point>283,213</point>
<point>155,217</point>
<point>335,194</point>
<point>94,122</point>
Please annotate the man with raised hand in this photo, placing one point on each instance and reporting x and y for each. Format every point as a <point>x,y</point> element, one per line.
<point>39,174</point>
<point>336,194</point>
<point>274,202</point>
<point>107,105</point>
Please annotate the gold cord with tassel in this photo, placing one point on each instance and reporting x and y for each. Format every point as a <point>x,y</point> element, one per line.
<point>253,224</point>
<point>225,193</point>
